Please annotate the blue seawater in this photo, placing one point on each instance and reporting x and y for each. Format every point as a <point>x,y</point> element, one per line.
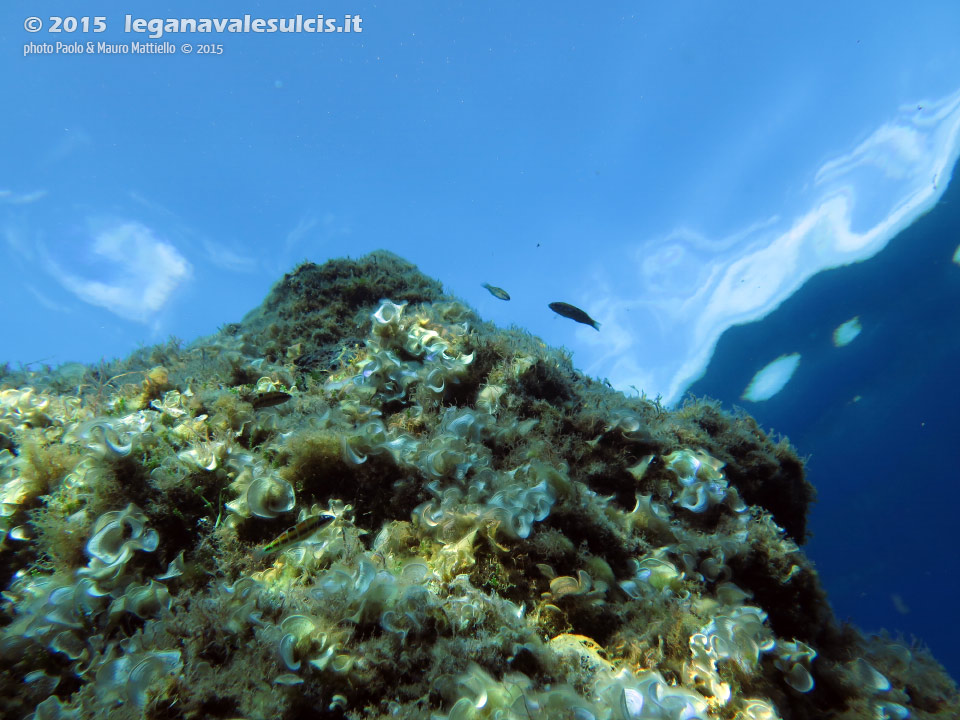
<point>878,420</point>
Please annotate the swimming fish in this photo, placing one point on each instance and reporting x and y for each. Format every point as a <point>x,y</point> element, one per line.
<point>298,533</point>
<point>497,292</point>
<point>574,313</point>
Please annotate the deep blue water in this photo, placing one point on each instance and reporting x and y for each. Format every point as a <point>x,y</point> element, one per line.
<point>879,420</point>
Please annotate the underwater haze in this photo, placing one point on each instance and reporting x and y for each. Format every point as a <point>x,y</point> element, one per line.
<point>719,186</point>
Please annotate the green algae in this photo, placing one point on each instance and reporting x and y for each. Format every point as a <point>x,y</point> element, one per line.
<point>511,538</point>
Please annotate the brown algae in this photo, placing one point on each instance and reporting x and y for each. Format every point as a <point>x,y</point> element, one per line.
<point>478,531</point>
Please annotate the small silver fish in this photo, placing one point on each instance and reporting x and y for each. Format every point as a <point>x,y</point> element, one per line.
<point>497,292</point>
<point>574,313</point>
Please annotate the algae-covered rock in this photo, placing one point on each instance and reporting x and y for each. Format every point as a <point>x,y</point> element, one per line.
<point>363,501</point>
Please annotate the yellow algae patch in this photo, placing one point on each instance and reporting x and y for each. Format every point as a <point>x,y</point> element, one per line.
<point>582,651</point>
<point>640,469</point>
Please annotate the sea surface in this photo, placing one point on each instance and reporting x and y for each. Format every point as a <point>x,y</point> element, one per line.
<point>878,420</point>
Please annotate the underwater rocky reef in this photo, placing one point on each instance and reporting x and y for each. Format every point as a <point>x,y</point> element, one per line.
<point>362,501</point>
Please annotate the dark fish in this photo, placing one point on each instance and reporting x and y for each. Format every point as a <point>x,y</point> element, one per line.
<point>574,313</point>
<point>268,399</point>
<point>497,292</point>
